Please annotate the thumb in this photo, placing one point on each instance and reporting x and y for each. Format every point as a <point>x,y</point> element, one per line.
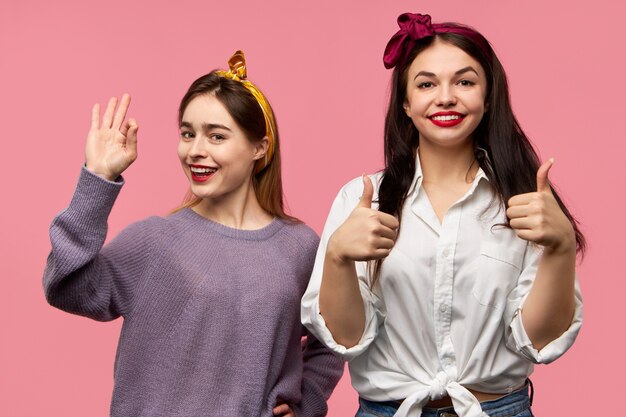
<point>543,183</point>
<point>368,193</point>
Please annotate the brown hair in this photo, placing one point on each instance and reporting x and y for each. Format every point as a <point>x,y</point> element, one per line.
<point>247,113</point>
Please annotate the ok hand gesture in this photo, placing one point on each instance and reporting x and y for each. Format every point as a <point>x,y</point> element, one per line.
<point>111,144</point>
<point>366,234</point>
<point>537,217</point>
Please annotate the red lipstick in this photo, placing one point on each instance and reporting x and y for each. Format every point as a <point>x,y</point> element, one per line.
<point>446,118</point>
<point>201,173</point>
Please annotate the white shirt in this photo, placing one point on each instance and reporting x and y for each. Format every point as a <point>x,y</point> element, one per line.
<point>444,315</point>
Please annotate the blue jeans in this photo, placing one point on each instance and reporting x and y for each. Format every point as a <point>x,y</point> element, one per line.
<point>515,404</point>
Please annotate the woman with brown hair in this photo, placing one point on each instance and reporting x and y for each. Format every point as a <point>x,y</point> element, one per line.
<point>209,294</point>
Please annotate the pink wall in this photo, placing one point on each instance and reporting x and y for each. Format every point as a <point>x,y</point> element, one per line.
<point>320,64</point>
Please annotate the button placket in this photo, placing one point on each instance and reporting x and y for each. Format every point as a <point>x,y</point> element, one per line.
<point>444,282</point>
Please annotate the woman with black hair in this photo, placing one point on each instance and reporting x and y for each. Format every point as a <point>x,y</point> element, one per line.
<point>446,276</point>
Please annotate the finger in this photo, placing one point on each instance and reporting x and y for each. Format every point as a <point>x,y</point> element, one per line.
<point>543,183</point>
<point>388,220</point>
<point>521,199</point>
<point>95,117</point>
<point>131,136</point>
<point>368,193</point>
<point>124,128</point>
<point>523,223</point>
<point>387,233</point>
<point>384,243</point>
<point>514,212</point>
<point>528,234</point>
<point>127,125</point>
<point>108,113</point>
<point>120,114</point>
<point>281,409</point>
<point>380,253</point>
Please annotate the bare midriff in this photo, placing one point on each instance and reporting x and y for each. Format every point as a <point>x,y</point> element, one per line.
<point>447,402</point>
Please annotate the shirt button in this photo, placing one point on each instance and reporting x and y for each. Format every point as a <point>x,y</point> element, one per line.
<point>443,308</point>
<point>446,252</point>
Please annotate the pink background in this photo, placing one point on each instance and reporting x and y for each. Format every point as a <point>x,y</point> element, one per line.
<point>320,64</point>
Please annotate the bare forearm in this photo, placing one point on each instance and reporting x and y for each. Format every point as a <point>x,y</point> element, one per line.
<point>341,303</point>
<point>366,235</point>
<point>550,305</point>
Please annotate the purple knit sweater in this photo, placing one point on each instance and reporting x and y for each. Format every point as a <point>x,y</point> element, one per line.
<point>211,314</point>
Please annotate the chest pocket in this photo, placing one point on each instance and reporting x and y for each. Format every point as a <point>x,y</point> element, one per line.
<point>498,270</point>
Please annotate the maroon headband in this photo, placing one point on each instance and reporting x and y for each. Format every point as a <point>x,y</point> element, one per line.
<point>415,26</point>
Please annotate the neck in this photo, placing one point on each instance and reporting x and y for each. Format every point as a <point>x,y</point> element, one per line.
<point>447,165</point>
<point>239,209</point>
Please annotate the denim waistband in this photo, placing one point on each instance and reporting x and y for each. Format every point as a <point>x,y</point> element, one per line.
<point>508,405</point>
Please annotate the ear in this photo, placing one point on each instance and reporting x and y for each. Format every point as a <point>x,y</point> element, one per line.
<point>260,148</point>
<point>407,108</point>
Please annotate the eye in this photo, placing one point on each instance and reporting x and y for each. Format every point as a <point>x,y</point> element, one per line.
<point>186,135</point>
<point>424,85</point>
<point>216,137</point>
<point>466,83</point>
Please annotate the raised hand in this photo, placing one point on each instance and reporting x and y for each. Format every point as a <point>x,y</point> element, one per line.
<point>366,234</point>
<point>537,217</point>
<point>111,143</point>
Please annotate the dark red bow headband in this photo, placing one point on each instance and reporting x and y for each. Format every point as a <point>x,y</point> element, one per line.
<point>415,26</point>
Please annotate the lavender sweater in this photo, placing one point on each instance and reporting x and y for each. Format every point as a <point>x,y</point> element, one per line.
<point>211,314</point>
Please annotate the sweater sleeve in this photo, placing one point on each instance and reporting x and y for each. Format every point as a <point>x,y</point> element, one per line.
<point>321,368</point>
<point>82,277</point>
<point>322,371</point>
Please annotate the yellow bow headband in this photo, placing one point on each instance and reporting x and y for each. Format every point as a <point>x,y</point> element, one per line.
<point>237,72</point>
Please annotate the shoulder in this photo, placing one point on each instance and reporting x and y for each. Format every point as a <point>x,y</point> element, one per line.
<point>166,226</point>
<point>150,226</point>
<point>354,188</point>
<point>306,237</point>
<point>349,195</point>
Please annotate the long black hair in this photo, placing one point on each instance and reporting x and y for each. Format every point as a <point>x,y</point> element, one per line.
<point>512,162</point>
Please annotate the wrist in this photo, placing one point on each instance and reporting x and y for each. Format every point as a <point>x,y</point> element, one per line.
<point>100,173</point>
<point>566,246</point>
<point>334,254</point>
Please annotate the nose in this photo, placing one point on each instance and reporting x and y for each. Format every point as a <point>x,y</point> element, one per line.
<point>198,148</point>
<point>445,96</point>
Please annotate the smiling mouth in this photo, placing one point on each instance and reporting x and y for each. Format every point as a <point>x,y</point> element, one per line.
<point>446,120</point>
<point>201,174</point>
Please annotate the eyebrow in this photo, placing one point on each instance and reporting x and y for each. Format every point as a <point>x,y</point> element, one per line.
<point>459,72</point>
<point>206,126</point>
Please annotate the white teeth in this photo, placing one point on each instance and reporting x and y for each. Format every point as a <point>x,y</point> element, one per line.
<point>197,170</point>
<point>446,118</point>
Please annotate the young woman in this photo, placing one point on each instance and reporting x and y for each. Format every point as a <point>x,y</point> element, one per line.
<point>210,295</point>
<point>462,276</point>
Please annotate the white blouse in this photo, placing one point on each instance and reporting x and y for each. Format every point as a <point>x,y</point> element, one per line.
<point>444,315</point>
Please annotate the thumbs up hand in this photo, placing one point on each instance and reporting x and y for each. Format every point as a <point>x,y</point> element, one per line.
<point>367,234</point>
<point>537,217</point>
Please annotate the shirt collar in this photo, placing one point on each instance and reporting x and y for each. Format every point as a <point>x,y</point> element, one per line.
<point>419,175</point>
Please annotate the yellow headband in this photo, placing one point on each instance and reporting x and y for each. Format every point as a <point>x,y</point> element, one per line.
<point>237,72</point>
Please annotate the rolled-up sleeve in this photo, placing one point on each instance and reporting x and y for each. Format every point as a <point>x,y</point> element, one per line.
<point>343,205</point>
<point>516,336</point>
